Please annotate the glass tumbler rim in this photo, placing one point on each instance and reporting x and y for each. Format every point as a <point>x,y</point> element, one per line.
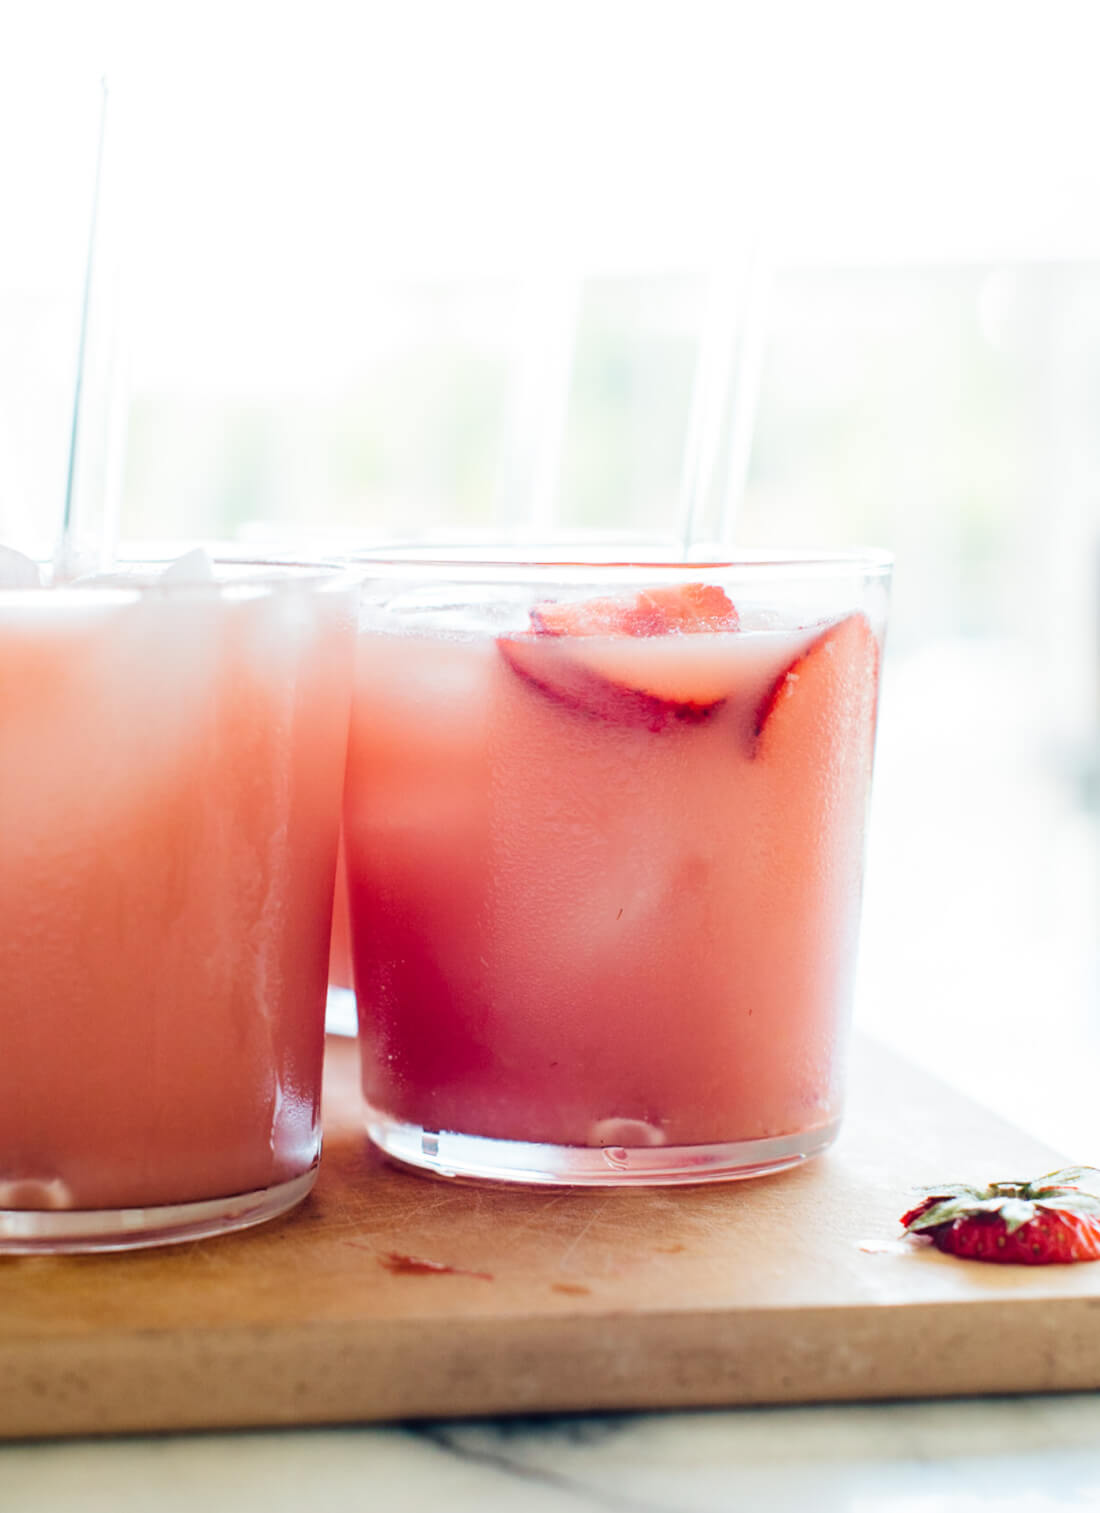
<point>135,581</point>
<point>433,561</point>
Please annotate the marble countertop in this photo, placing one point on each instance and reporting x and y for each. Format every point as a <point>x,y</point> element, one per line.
<point>1012,1455</point>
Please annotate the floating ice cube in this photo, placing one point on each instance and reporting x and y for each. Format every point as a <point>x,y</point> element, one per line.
<point>18,571</point>
<point>193,567</point>
<point>764,617</point>
<point>625,1132</point>
<point>35,1193</point>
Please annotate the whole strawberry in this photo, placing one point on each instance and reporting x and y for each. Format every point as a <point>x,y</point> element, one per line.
<point>1053,1219</point>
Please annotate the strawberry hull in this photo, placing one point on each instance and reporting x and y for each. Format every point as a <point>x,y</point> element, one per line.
<point>587,915</point>
<point>1053,1220</point>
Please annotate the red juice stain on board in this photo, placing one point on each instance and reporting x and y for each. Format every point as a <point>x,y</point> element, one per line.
<point>408,1266</point>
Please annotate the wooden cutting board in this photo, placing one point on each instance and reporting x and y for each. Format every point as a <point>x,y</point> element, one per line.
<point>789,1289</point>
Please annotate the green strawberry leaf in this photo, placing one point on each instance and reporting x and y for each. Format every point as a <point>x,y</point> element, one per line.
<point>1068,1202</point>
<point>946,1212</point>
<point>1016,1212</point>
<point>1016,1203</point>
<point>1068,1176</point>
<point>953,1190</point>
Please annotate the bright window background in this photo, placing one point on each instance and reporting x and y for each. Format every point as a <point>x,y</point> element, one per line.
<point>438,266</point>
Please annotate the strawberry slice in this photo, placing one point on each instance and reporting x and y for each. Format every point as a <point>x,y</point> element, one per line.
<point>694,607</point>
<point>686,607</point>
<point>551,664</point>
<point>591,656</point>
<point>831,685</point>
<point>1051,1220</point>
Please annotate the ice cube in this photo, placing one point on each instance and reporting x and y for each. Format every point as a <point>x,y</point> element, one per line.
<point>35,1193</point>
<point>18,571</point>
<point>625,1132</point>
<point>193,567</point>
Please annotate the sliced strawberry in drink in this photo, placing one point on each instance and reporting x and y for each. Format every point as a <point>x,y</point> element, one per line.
<point>678,669</point>
<point>694,607</point>
<point>832,685</point>
<point>686,607</point>
<point>555,667</point>
<point>592,617</point>
<point>624,660</point>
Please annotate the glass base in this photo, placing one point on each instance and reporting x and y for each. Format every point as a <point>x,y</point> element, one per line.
<point>27,1231</point>
<point>443,1153</point>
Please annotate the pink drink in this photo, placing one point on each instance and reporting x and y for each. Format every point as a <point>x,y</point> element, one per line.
<point>170,769</point>
<point>605,874</point>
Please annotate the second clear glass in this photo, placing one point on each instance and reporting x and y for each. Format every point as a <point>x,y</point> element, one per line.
<point>604,830</point>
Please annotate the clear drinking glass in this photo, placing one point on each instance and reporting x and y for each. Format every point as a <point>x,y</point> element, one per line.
<point>604,829</point>
<point>171,760</point>
<point>522,546</point>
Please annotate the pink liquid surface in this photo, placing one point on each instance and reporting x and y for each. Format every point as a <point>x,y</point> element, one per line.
<point>170,775</point>
<point>580,921</point>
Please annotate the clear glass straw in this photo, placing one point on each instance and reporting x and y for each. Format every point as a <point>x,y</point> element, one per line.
<point>725,391</point>
<point>71,552</point>
<point>530,459</point>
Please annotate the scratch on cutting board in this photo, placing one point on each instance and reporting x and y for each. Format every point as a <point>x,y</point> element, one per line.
<point>395,1219</point>
<point>213,1257</point>
<point>537,1222</point>
<point>579,1236</point>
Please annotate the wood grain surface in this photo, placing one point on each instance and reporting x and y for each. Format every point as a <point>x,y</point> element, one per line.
<point>793,1288</point>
